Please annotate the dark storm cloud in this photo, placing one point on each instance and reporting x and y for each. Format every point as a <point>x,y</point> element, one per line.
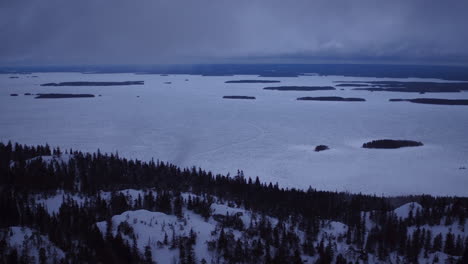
<point>171,31</point>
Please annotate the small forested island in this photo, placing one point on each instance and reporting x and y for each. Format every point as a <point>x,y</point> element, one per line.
<point>434,101</point>
<point>58,96</point>
<point>391,144</point>
<point>300,88</point>
<point>216,74</point>
<point>94,83</point>
<point>252,81</point>
<point>352,85</point>
<point>331,98</point>
<point>408,87</point>
<point>238,97</point>
<point>321,148</point>
<point>279,74</point>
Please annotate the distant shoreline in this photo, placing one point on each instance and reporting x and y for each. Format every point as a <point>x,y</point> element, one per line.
<point>238,97</point>
<point>59,96</point>
<point>94,83</point>
<point>433,101</point>
<point>331,98</point>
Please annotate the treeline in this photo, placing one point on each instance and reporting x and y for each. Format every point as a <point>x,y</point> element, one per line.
<point>23,173</point>
<point>73,229</point>
<point>23,169</point>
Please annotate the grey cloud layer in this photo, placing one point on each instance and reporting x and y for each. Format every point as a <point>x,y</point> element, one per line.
<point>171,31</point>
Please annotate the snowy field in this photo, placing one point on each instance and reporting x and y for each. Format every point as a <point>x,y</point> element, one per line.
<point>273,137</point>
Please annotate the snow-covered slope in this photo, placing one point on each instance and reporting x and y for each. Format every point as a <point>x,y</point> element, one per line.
<point>405,210</point>
<point>53,202</point>
<point>157,230</point>
<point>150,229</point>
<point>57,158</point>
<point>28,242</point>
<point>48,159</point>
<point>161,233</point>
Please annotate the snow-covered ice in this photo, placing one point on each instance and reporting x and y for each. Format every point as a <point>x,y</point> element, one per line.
<point>273,137</point>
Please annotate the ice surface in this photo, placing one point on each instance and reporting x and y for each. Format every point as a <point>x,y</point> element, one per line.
<point>188,123</point>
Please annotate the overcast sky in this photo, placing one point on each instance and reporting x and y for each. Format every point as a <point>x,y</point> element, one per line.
<point>60,32</point>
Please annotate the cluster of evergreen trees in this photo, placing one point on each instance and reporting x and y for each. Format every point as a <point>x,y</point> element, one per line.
<point>23,174</point>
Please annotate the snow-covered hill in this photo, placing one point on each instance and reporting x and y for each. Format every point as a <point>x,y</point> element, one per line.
<point>161,233</point>
<point>31,245</point>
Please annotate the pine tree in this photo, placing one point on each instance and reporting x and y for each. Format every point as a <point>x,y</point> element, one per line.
<point>182,254</point>
<point>190,254</point>
<point>148,255</point>
<point>174,240</point>
<point>109,227</point>
<point>437,246</point>
<point>178,203</point>
<point>464,258</point>
<point>449,244</point>
<point>458,250</point>
<point>340,259</point>
<point>42,256</point>
<point>12,256</point>
<point>222,243</point>
<point>427,243</point>
<point>238,252</point>
<point>297,257</point>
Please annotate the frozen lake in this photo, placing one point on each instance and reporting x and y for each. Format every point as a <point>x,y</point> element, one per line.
<point>273,137</point>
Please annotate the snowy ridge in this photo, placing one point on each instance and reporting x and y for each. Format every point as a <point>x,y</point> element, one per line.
<point>405,210</point>
<point>160,233</point>
<point>150,229</point>
<point>30,243</point>
<point>48,159</point>
<point>57,158</point>
<point>53,202</point>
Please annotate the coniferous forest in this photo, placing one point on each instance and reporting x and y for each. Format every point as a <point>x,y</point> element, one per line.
<point>66,206</point>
